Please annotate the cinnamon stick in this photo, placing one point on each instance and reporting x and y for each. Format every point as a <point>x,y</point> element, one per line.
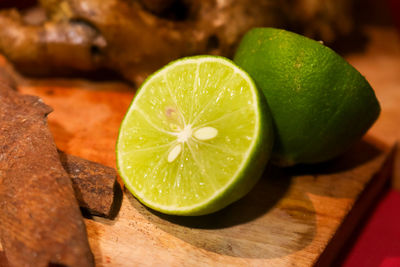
<point>95,185</point>
<point>41,224</point>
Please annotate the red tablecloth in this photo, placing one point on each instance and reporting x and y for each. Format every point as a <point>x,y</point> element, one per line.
<point>379,241</point>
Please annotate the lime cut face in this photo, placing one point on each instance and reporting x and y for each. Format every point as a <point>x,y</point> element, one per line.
<point>195,138</point>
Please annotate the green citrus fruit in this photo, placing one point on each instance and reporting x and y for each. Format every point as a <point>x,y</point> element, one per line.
<point>319,103</point>
<point>195,138</point>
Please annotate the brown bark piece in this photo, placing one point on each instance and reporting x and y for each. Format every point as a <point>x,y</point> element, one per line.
<point>95,185</point>
<point>41,224</point>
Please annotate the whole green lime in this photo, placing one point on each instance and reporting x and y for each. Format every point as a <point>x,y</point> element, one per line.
<point>320,104</point>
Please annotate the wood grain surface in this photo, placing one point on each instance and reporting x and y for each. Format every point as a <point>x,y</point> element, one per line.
<point>290,217</point>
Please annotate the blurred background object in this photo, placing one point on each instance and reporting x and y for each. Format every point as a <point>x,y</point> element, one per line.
<point>134,38</point>
<point>394,6</point>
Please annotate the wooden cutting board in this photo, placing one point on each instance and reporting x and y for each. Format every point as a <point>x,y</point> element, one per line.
<point>289,217</point>
<point>293,217</point>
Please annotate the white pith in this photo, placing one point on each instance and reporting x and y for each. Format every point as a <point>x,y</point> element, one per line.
<point>203,134</point>
<point>185,134</point>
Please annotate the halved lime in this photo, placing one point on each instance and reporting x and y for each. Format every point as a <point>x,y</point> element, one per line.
<point>195,138</point>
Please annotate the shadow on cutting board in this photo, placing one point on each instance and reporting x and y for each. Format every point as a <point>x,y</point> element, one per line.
<point>271,221</point>
<point>342,177</point>
<point>277,217</point>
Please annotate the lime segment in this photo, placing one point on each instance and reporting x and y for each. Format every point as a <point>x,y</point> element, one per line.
<point>195,138</point>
